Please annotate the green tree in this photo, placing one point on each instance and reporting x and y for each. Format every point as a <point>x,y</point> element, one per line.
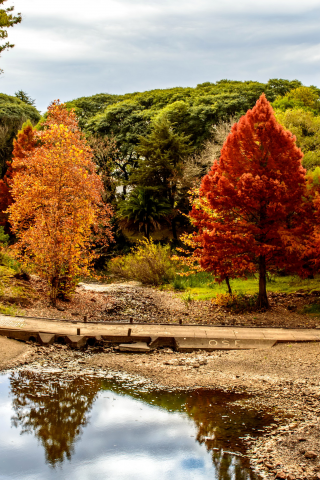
<point>280,86</point>
<point>161,165</point>
<point>24,97</point>
<point>7,20</point>
<point>13,113</point>
<point>143,210</point>
<point>306,127</point>
<point>307,98</point>
<point>106,156</point>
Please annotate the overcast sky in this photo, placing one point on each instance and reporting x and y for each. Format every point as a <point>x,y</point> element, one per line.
<point>70,48</point>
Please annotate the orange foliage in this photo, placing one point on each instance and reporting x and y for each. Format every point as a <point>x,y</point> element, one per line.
<point>57,202</point>
<point>250,211</point>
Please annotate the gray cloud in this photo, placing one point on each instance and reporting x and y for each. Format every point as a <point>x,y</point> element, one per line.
<point>65,50</point>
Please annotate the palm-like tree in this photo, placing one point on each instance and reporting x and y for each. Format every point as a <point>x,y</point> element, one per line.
<point>143,210</point>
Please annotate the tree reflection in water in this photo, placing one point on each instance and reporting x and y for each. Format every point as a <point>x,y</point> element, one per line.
<point>54,408</point>
<point>220,425</point>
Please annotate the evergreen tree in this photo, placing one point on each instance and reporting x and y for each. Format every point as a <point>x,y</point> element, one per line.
<point>161,165</point>
<point>24,97</point>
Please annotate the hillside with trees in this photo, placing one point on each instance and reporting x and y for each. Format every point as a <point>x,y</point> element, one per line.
<point>166,140</point>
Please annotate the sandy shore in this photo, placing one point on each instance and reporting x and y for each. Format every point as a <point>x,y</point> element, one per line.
<point>284,379</point>
<point>13,353</point>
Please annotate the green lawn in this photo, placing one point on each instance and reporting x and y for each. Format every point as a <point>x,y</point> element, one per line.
<point>203,287</point>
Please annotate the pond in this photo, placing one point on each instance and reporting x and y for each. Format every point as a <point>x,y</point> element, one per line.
<point>59,427</point>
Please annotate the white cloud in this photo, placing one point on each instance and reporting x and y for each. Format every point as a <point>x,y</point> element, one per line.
<point>67,48</point>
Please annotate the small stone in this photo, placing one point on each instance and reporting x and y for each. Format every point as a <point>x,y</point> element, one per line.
<point>302,439</point>
<point>311,455</point>
<point>61,309</point>
<point>291,477</point>
<point>281,475</point>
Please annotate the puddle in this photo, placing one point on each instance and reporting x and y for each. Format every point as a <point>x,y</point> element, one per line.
<point>85,428</point>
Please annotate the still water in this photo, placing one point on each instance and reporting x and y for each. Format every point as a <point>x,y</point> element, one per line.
<point>83,428</point>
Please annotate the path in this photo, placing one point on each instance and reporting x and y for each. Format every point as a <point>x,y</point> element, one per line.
<point>183,338</point>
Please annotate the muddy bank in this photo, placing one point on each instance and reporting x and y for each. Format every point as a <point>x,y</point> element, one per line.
<point>285,380</point>
<point>13,353</point>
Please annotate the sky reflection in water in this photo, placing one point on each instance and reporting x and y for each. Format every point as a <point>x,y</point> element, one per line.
<point>85,428</point>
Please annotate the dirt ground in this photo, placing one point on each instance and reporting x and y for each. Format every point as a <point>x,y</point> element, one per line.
<point>284,380</point>
<point>127,303</point>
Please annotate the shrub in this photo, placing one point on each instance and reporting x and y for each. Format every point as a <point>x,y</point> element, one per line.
<point>237,302</point>
<point>148,263</point>
<point>312,309</point>
<point>179,283</point>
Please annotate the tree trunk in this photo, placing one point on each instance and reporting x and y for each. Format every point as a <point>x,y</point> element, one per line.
<point>229,286</point>
<point>174,229</point>
<point>262,301</point>
<point>147,230</point>
<point>54,291</point>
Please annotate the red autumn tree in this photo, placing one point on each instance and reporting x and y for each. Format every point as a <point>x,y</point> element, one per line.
<point>25,143</point>
<point>57,204</point>
<point>250,212</point>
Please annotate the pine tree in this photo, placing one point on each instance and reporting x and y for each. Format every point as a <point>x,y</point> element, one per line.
<point>161,166</point>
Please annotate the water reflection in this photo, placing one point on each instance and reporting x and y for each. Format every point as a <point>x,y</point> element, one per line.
<point>175,433</point>
<point>54,409</point>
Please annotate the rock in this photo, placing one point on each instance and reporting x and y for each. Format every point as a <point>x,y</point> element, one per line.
<point>302,439</point>
<point>61,309</point>
<point>311,455</point>
<point>75,313</point>
<point>281,475</point>
<point>291,477</point>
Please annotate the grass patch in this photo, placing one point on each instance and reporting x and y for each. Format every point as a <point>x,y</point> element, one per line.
<point>313,309</point>
<point>203,287</point>
<point>10,310</point>
<point>9,262</point>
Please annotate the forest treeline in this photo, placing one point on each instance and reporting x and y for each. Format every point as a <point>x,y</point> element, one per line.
<point>152,147</point>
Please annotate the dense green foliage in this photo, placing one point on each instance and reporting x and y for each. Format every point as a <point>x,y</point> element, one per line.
<point>145,128</point>
<point>194,110</point>
<point>143,210</point>
<point>299,112</point>
<point>13,113</point>
<point>7,20</point>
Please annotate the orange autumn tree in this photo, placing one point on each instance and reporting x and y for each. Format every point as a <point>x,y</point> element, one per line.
<point>250,212</point>
<point>57,204</point>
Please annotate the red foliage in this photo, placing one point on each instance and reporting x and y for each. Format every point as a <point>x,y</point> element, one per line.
<point>24,144</point>
<point>250,212</point>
